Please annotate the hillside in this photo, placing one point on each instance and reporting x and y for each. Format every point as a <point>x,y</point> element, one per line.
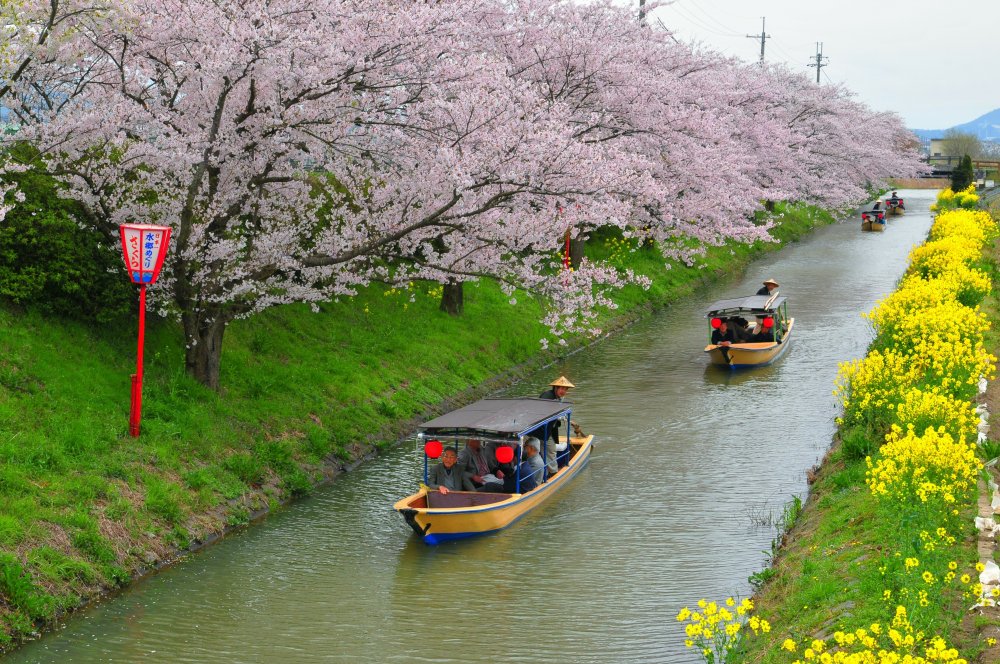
<point>986,127</point>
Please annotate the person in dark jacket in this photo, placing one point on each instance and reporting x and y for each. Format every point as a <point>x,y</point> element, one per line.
<point>556,392</point>
<point>448,475</point>
<point>770,287</point>
<point>557,389</point>
<point>723,335</point>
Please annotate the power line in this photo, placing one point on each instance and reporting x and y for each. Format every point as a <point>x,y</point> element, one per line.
<point>762,37</point>
<point>694,5</point>
<point>690,17</point>
<point>819,64</point>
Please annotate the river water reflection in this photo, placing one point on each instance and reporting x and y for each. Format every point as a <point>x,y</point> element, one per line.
<point>689,460</point>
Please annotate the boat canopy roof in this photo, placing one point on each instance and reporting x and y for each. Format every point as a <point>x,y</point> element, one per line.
<point>511,417</point>
<point>752,303</point>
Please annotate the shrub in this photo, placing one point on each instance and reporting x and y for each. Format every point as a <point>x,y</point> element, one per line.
<point>49,261</point>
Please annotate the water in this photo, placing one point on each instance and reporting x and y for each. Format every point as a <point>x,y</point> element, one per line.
<point>690,461</point>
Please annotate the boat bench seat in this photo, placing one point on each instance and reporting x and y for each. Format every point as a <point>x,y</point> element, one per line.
<point>464,498</point>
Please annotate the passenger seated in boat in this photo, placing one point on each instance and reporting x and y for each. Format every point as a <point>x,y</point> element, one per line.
<point>479,467</point>
<point>532,467</point>
<point>722,335</point>
<point>894,200</point>
<point>448,475</point>
<point>741,328</point>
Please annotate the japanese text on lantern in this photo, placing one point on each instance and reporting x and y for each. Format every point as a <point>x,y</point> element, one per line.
<point>144,247</point>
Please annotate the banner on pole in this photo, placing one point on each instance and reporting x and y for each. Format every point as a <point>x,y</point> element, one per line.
<point>144,247</point>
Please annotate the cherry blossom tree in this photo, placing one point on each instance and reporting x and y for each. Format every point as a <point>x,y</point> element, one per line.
<point>40,68</point>
<point>302,149</point>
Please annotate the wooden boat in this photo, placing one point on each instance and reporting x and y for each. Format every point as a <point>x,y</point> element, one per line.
<point>437,517</point>
<point>894,208</point>
<point>873,220</point>
<point>770,312</point>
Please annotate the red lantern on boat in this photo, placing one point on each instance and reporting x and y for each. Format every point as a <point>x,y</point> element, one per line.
<point>433,448</point>
<point>716,323</point>
<point>505,454</point>
<point>768,322</point>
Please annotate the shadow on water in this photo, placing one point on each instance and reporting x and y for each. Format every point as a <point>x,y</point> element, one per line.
<point>690,461</point>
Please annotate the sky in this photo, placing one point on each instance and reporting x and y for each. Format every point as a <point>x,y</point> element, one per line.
<point>936,64</point>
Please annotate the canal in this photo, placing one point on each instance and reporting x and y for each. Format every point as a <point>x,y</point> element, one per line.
<point>693,467</point>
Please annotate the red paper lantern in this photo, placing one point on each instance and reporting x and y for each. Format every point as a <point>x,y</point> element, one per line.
<point>768,322</point>
<point>433,448</point>
<point>505,454</point>
<point>716,323</point>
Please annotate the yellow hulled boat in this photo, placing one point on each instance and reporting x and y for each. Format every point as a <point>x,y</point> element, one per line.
<point>873,220</point>
<point>502,423</point>
<point>763,343</point>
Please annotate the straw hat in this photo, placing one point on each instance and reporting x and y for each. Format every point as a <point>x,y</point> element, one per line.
<point>561,382</point>
<point>771,282</point>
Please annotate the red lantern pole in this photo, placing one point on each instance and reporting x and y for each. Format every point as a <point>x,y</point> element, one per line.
<point>135,415</point>
<point>143,248</point>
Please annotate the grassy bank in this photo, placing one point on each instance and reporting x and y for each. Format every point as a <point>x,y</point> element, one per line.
<point>84,508</point>
<point>876,536</point>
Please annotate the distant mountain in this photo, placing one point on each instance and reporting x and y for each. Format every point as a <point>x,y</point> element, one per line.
<point>986,127</point>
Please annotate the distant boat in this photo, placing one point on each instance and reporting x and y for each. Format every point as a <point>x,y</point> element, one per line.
<point>873,220</point>
<point>764,343</point>
<point>503,423</point>
<point>894,207</point>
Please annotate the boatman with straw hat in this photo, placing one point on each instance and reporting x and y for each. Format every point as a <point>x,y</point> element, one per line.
<point>557,390</point>
<point>770,287</point>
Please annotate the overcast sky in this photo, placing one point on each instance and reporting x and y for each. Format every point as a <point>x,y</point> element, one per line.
<point>936,63</point>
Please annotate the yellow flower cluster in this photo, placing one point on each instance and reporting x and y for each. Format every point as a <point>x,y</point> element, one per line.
<point>949,200</point>
<point>924,409</point>
<point>898,643</point>
<point>937,256</point>
<point>713,630</point>
<point>929,352</point>
<point>932,466</point>
<point>871,387</point>
<point>971,224</point>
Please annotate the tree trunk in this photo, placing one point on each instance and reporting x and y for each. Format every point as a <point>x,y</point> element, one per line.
<point>769,205</point>
<point>453,298</point>
<point>576,247</point>
<point>203,335</point>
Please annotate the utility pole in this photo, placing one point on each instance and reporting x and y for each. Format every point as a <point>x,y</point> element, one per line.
<point>819,64</point>
<point>763,37</point>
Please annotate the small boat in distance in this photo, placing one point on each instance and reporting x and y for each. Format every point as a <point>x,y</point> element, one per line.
<point>754,345</point>
<point>873,220</point>
<point>894,205</point>
<point>501,426</point>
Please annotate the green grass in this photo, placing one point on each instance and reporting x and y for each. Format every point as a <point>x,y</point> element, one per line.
<point>83,506</point>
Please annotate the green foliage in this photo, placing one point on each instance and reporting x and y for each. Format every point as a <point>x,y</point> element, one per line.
<point>20,592</point>
<point>856,443</point>
<point>164,499</point>
<point>94,546</point>
<point>49,261</point>
<point>963,174</point>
